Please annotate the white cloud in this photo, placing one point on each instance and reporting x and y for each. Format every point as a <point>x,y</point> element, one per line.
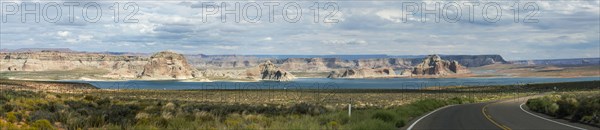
<point>566,29</point>
<point>393,15</point>
<point>267,39</point>
<point>85,37</point>
<point>227,47</point>
<point>63,33</point>
<point>345,42</point>
<point>71,40</point>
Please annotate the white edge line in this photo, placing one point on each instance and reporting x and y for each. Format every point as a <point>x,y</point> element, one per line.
<point>521,106</point>
<point>414,123</point>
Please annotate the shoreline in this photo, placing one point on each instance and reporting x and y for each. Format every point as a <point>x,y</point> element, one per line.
<point>258,81</point>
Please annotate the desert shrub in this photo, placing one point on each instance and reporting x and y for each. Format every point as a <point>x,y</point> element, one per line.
<point>51,106</point>
<point>179,123</point>
<point>43,125</point>
<point>567,107</point>
<point>578,108</point>
<point>372,124</point>
<point>534,104</point>
<point>233,122</point>
<point>152,109</point>
<point>42,115</point>
<point>540,105</point>
<point>76,104</point>
<point>74,121</point>
<point>169,106</point>
<point>429,104</point>
<point>141,127</point>
<point>400,123</point>
<point>422,106</point>
<point>333,125</point>
<point>305,108</point>
<point>96,119</point>
<point>7,95</point>
<point>122,115</point>
<point>339,117</point>
<point>292,122</point>
<point>90,98</point>
<point>204,116</point>
<point>3,99</point>
<point>253,126</point>
<point>461,100</point>
<point>12,117</point>
<point>103,102</point>
<point>8,107</point>
<point>385,116</point>
<point>587,119</point>
<point>552,109</point>
<point>256,119</point>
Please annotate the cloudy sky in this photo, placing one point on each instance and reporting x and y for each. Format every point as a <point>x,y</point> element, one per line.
<point>552,29</point>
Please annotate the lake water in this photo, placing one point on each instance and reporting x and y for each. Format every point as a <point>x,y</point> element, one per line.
<point>323,83</point>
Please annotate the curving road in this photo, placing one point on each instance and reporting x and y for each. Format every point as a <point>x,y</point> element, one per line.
<point>506,114</point>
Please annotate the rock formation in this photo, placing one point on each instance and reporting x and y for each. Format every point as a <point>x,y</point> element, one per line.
<point>573,61</point>
<point>434,65</point>
<point>161,66</point>
<point>321,64</point>
<point>225,74</point>
<point>125,70</point>
<point>137,65</point>
<point>475,60</point>
<point>406,72</point>
<point>168,65</point>
<point>118,66</point>
<point>363,73</point>
<point>268,71</point>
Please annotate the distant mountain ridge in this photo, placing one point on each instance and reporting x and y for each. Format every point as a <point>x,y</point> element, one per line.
<point>171,65</point>
<point>573,61</point>
<point>326,62</point>
<point>37,50</point>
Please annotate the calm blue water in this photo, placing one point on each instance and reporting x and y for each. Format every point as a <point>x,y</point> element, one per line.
<point>323,83</point>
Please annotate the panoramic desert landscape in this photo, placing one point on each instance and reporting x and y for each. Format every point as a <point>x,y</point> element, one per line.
<point>301,65</point>
<point>54,64</point>
<point>54,88</point>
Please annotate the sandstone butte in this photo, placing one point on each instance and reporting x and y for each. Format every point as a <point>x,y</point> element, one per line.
<point>434,65</point>
<point>268,71</point>
<point>168,65</point>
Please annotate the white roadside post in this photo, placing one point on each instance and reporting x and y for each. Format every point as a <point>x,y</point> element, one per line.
<point>350,108</point>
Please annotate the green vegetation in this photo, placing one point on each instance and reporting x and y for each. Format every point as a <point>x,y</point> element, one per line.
<point>245,109</point>
<point>581,107</point>
<point>42,110</point>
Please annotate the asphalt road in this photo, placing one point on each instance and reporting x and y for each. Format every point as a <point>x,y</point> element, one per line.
<point>506,114</point>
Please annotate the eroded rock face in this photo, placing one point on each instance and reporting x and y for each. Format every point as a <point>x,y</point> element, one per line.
<point>268,71</point>
<point>228,74</point>
<point>434,65</point>
<point>161,66</point>
<point>475,60</point>
<point>168,65</point>
<point>125,70</point>
<point>119,67</point>
<point>363,73</point>
<point>304,64</point>
<point>406,72</point>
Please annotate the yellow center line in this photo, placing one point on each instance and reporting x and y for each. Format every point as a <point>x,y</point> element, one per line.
<point>484,111</point>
